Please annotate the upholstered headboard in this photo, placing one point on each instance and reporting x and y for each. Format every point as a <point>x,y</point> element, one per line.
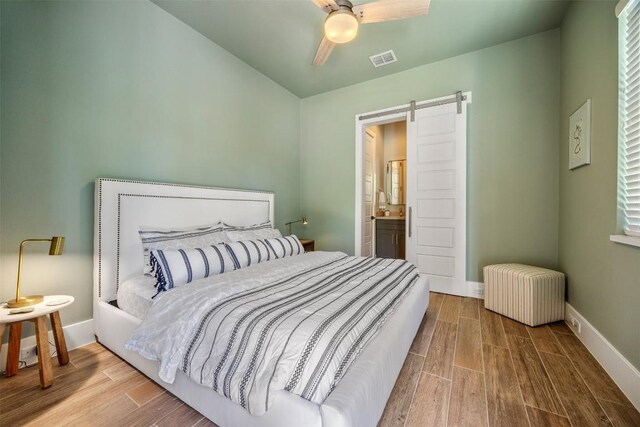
<point>122,206</point>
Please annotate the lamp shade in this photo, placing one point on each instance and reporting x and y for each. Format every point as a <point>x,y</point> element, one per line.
<point>57,245</point>
<point>305,221</point>
<point>341,26</point>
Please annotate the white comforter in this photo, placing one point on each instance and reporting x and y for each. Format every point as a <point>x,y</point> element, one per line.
<point>295,324</point>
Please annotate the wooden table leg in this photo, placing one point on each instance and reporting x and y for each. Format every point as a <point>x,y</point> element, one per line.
<point>58,336</point>
<point>44,355</point>
<point>13,354</point>
<point>2,329</point>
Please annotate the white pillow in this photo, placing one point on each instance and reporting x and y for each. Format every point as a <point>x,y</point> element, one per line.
<point>264,230</point>
<point>178,267</point>
<point>179,238</point>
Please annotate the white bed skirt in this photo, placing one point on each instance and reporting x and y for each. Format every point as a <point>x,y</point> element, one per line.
<point>358,400</point>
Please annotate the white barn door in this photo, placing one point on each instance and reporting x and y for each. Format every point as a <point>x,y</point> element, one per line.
<point>436,196</point>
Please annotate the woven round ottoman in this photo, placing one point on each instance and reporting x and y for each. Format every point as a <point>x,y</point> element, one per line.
<point>530,295</point>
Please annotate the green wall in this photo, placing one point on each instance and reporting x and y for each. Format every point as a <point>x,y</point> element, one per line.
<point>512,149</point>
<point>603,277</point>
<point>123,89</point>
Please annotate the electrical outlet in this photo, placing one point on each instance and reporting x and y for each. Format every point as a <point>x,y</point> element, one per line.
<point>575,323</point>
<point>28,353</point>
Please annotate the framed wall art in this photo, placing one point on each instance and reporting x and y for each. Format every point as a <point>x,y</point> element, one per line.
<point>580,136</point>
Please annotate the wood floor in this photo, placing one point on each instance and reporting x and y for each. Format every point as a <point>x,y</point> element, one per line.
<point>96,388</point>
<point>471,367</point>
<point>467,367</point>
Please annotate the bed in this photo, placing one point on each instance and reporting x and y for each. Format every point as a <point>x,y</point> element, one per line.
<point>122,206</point>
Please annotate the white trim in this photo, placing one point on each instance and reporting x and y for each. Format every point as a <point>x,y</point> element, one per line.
<point>361,125</point>
<point>623,373</point>
<point>472,290</point>
<point>76,335</point>
<point>475,289</point>
<point>625,240</point>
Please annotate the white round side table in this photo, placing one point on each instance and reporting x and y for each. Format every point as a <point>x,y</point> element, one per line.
<point>39,317</point>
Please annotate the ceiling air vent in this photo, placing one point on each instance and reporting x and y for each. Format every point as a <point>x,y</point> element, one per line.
<point>383,58</point>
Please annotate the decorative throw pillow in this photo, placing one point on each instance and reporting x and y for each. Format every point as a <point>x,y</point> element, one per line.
<point>285,246</point>
<point>174,239</point>
<point>178,267</point>
<point>264,230</point>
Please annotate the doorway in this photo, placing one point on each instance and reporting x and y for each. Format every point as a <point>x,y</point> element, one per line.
<point>434,212</point>
<point>384,191</point>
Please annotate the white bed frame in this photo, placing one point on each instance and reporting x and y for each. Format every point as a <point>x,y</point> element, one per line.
<point>122,206</point>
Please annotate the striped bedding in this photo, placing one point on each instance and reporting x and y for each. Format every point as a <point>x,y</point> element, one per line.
<point>293,324</point>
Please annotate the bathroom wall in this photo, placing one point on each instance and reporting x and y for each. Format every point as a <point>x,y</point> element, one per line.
<point>395,140</point>
<point>395,148</point>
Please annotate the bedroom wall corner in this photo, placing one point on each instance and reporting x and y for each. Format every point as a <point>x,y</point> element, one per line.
<point>123,90</point>
<point>603,277</point>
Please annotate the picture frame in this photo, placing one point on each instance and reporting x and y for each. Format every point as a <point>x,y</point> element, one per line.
<point>580,136</point>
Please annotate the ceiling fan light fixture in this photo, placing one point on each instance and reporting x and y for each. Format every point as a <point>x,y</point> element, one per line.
<point>341,26</point>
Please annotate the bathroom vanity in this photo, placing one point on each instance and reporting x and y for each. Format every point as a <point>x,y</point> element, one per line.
<point>390,237</point>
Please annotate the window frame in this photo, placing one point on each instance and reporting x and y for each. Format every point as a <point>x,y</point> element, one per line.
<point>622,10</point>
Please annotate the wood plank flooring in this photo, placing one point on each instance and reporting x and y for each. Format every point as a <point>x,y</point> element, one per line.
<point>483,369</point>
<point>96,388</point>
<point>467,367</point>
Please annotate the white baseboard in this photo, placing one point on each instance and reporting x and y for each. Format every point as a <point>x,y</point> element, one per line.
<point>76,335</point>
<point>623,373</point>
<point>472,290</point>
<point>475,289</point>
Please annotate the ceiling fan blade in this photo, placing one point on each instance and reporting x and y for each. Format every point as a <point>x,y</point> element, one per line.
<point>326,5</point>
<point>390,10</point>
<point>323,52</point>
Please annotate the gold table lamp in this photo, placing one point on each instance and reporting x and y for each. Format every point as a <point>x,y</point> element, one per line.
<point>303,220</point>
<point>57,243</point>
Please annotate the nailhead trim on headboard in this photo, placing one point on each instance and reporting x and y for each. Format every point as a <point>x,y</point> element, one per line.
<point>103,180</point>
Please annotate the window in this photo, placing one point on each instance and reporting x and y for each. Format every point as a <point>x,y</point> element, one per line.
<point>629,116</point>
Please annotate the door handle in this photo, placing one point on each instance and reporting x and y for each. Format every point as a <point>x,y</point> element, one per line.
<point>410,212</point>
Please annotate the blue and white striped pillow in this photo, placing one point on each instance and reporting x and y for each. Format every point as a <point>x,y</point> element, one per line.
<point>285,246</point>
<point>181,266</point>
<point>247,252</point>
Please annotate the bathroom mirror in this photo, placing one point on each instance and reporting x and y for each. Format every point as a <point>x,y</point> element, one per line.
<point>395,182</point>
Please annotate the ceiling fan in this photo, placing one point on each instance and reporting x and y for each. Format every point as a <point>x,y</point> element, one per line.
<point>341,26</point>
